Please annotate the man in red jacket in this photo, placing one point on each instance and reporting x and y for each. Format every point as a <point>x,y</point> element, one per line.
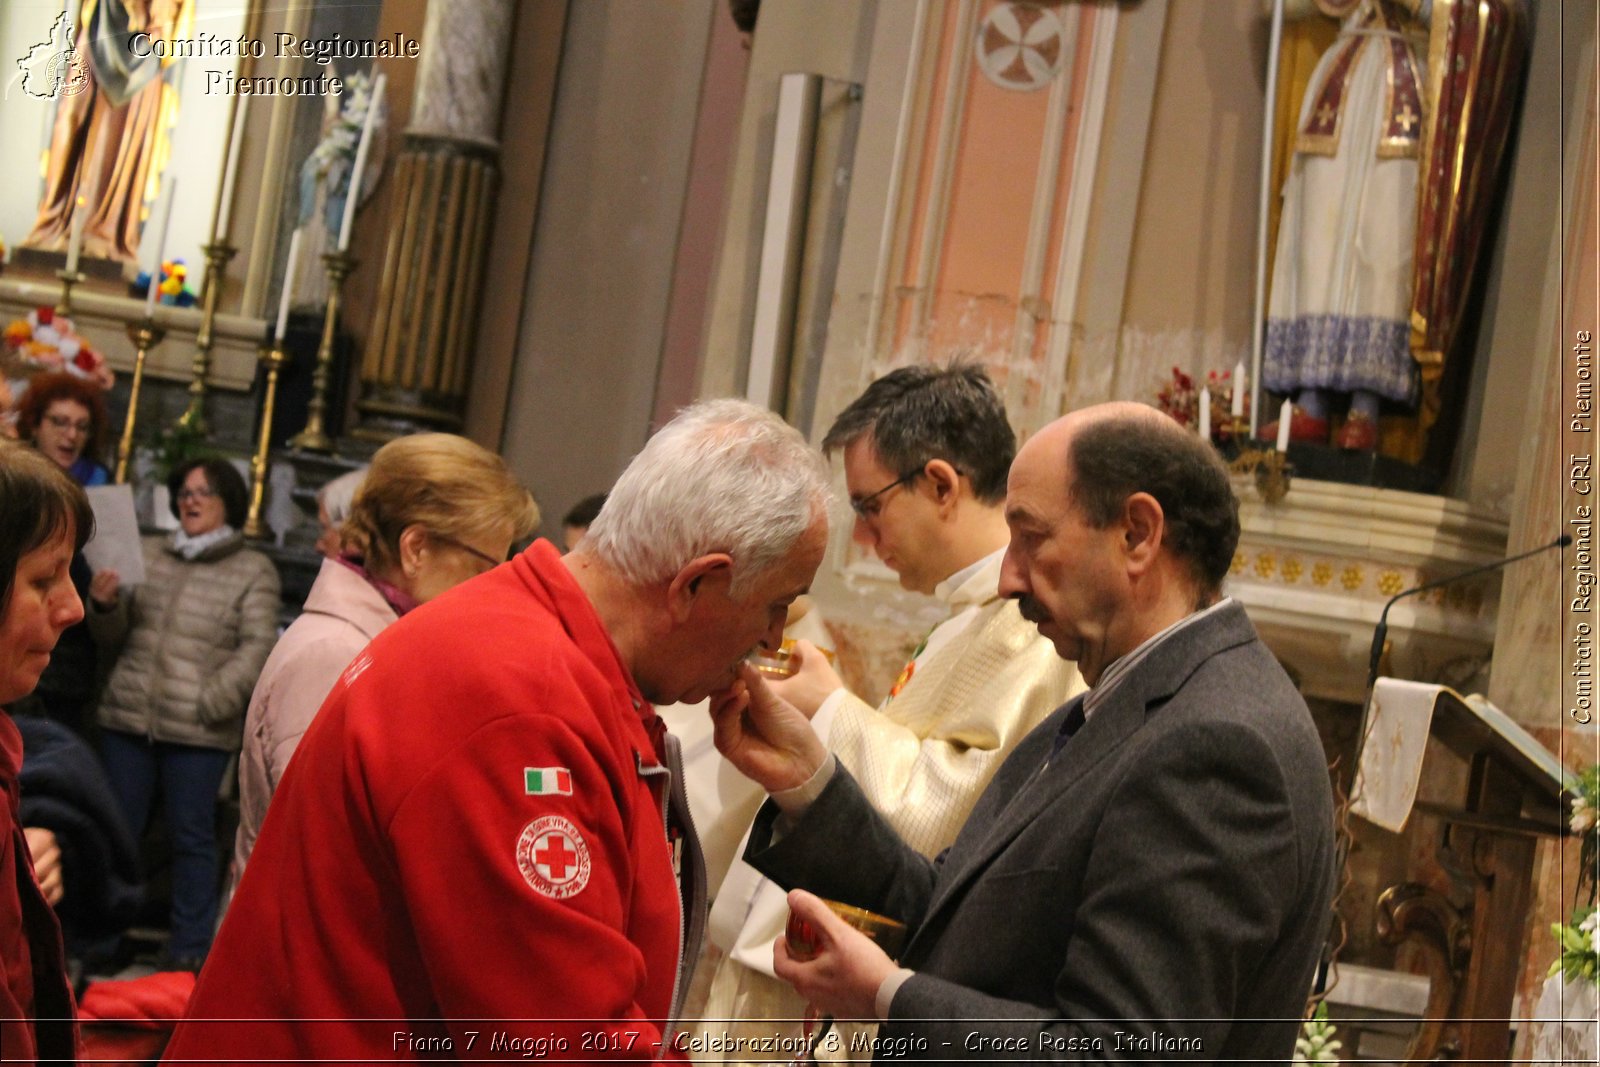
<point>482,846</point>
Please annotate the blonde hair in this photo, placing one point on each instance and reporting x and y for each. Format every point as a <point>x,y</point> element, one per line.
<point>442,482</point>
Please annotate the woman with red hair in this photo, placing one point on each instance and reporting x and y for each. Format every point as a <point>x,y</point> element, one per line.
<point>64,416</point>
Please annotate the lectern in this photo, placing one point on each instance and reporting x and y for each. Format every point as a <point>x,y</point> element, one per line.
<point>1512,798</point>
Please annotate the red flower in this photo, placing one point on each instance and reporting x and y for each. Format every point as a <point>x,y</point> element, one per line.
<point>84,360</point>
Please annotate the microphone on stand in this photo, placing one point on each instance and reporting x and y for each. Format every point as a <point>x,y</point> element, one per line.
<point>1382,632</point>
<point>1378,637</point>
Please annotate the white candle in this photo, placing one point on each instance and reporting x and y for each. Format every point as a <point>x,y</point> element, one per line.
<point>1205,413</point>
<point>75,243</point>
<point>1285,414</point>
<point>161,250</point>
<point>353,194</point>
<point>229,168</point>
<point>1241,386</point>
<point>288,287</point>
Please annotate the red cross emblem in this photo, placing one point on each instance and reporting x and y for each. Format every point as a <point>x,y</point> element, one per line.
<point>553,857</point>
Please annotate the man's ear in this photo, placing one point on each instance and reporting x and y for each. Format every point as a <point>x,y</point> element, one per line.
<point>1144,529</point>
<point>413,545</point>
<point>700,575</point>
<point>944,481</point>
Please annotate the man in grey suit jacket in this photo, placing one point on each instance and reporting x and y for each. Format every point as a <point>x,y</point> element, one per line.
<point>1149,875</point>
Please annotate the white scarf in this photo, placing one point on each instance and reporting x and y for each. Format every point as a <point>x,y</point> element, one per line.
<point>191,547</point>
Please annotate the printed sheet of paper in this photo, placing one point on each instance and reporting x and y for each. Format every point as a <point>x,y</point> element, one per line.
<point>115,545</point>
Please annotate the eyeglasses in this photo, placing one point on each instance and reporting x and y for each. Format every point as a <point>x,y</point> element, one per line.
<point>468,549</point>
<point>203,493</point>
<point>866,509</point>
<point>66,422</point>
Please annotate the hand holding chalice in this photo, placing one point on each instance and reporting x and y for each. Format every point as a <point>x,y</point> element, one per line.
<point>824,960</point>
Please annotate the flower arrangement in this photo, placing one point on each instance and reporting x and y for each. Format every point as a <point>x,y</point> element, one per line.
<point>1585,825</point>
<point>1180,398</point>
<point>336,152</point>
<point>45,341</point>
<point>1579,940</point>
<point>1316,1043</point>
<point>330,163</point>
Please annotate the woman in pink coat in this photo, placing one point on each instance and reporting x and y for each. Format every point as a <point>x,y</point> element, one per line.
<point>434,510</point>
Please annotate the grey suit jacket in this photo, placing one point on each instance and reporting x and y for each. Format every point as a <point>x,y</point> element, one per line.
<point>1159,889</point>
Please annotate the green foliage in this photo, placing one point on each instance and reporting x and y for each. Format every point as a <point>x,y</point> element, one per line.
<point>1580,946</point>
<point>175,445</point>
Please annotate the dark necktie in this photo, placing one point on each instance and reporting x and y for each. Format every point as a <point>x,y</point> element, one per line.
<point>1069,726</point>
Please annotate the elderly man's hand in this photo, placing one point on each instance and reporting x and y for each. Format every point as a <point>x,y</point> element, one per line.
<point>46,862</point>
<point>814,682</point>
<point>766,738</point>
<point>842,980</point>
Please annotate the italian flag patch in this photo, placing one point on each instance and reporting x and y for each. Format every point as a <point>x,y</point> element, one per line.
<point>547,781</point>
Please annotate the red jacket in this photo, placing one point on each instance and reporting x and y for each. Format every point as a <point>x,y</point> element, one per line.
<point>466,854</point>
<point>36,1010</point>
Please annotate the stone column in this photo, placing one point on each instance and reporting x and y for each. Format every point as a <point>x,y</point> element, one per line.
<point>418,358</point>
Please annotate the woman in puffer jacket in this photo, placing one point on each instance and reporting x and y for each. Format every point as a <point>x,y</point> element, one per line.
<point>192,640</point>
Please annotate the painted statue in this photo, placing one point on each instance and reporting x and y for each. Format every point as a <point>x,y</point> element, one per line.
<point>111,143</point>
<point>1397,149</point>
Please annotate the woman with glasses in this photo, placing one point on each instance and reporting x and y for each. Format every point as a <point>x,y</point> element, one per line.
<point>190,642</point>
<point>433,511</point>
<point>64,417</point>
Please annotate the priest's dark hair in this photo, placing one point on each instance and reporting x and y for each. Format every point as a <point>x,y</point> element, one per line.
<point>921,413</point>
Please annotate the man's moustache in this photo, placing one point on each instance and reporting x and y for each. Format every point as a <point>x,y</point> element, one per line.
<point>1032,610</point>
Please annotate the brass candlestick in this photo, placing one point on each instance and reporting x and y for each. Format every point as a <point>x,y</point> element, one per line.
<point>314,438</point>
<point>69,278</point>
<point>1272,469</point>
<point>218,254</point>
<point>275,359</point>
<point>145,335</point>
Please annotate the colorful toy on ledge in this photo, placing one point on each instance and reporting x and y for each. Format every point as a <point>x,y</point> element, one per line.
<point>45,341</point>
<point>174,289</point>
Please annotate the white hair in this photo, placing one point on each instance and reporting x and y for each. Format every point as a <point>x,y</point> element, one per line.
<point>337,495</point>
<point>723,476</point>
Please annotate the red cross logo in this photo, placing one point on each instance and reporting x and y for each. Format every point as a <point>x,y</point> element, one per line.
<point>553,857</point>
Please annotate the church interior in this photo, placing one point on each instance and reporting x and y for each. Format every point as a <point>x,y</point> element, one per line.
<point>571,218</point>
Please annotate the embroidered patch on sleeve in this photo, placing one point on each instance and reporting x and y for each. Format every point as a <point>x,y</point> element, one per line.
<point>553,857</point>
<point>547,781</point>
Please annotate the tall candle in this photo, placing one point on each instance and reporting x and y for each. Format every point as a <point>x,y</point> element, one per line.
<point>1285,414</point>
<point>229,168</point>
<point>288,287</point>
<point>1241,386</point>
<point>353,194</point>
<point>161,250</point>
<point>1205,413</point>
<point>75,244</point>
